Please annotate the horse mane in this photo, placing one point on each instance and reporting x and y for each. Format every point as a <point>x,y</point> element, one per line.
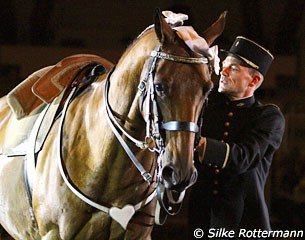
<point>130,65</point>
<point>145,38</point>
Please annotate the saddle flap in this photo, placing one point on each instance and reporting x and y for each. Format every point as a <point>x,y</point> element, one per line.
<point>21,99</point>
<point>17,133</point>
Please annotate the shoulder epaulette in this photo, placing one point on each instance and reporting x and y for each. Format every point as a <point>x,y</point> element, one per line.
<point>268,104</point>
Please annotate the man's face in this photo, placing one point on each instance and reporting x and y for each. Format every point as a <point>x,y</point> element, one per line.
<point>235,79</point>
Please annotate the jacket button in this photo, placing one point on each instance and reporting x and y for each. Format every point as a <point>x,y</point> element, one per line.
<point>227,124</point>
<point>230,114</point>
<point>217,171</point>
<point>225,134</point>
<point>215,182</point>
<point>215,192</point>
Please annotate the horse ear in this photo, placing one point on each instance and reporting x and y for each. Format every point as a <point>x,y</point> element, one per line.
<point>215,29</point>
<point>164,32</point>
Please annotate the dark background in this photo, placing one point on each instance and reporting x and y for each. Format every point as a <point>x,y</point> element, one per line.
<point>37,33</point>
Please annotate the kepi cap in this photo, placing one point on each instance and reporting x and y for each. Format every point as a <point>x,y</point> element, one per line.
<point>251,53</point>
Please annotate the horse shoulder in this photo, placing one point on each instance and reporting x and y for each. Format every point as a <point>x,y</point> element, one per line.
<point>5,113</point>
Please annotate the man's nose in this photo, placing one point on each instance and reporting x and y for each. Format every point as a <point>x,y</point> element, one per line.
<point>225,71</point>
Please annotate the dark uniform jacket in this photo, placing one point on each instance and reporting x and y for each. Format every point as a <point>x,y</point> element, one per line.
<point>242,137</point>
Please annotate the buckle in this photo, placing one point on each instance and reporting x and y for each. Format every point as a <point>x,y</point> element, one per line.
<point>147,177</point>
<point>142,86</point>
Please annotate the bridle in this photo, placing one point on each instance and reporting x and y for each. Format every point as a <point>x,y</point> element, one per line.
<point>153,126</point>
<point>151,116</point>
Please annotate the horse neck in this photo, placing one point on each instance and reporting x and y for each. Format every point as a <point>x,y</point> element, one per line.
<point>124,82</point>
<point>123,100</point>
<point>95,141</point>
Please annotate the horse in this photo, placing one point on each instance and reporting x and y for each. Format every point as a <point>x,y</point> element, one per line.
<point>93,178</point>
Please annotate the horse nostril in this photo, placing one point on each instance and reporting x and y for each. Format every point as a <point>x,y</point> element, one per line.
<point>168,174</point>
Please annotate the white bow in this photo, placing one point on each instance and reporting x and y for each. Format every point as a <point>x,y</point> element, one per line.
<point>174,18</point>
<point>199,45</point>
<point>213,51</point>
<point>192,39</point>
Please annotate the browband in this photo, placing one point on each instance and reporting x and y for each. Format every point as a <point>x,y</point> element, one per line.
<point>181,59</point>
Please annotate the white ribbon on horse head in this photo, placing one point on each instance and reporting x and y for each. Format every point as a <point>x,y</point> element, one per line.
<point>191,38</point>
<point>215,59</point>
<point>199,45</point>
<point>174,18</point>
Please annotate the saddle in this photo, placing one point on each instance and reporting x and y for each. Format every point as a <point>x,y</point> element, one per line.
<point>44,85</point>
<point>44,88</point>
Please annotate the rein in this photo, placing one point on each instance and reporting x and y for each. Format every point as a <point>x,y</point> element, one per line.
<point>122,216</point>
<point>113,124</point>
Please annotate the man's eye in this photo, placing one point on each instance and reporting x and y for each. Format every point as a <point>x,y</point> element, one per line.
<point>234,68</point>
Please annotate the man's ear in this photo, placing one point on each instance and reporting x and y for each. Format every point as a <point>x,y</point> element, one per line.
<point>256,79</point>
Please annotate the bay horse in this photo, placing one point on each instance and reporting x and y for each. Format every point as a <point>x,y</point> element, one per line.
<point>87,182</point>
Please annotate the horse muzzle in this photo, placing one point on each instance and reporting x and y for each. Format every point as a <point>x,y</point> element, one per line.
<point>173,180</point>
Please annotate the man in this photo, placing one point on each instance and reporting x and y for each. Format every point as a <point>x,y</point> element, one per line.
<point>239,138</point>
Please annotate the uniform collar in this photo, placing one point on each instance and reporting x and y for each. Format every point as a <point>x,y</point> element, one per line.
<point>241,103</point>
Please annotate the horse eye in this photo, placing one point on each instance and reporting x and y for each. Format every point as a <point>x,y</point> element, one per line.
<point>159,87</point>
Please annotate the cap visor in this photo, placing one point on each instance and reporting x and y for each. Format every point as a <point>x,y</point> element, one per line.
<point>223,54</point>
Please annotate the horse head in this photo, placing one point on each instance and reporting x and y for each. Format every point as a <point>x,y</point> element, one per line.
<point>182,80</point>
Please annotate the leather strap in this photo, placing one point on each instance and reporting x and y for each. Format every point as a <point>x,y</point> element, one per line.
<point>37,137</point>
<point>180,59</point>
<point>163,211</point>
<point>60,162</point>
<point>65,175</point>
<point>147,177</point>
<point>30,158</point>
<point>180,126</point>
